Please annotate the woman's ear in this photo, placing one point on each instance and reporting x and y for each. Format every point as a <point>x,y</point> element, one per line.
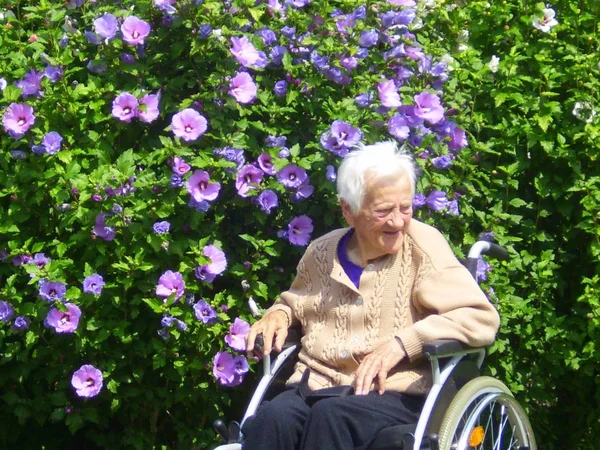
<point>347,212</point>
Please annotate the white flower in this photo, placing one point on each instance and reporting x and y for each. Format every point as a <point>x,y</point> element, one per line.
<point>463,36</point>
<point>449,61</point>
<point>3,84</point>
<point>584,111</point>
<point>494,64</point>
<point>546,21</point>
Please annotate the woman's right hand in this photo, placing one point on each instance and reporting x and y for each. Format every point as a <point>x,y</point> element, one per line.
<point>274,328</point>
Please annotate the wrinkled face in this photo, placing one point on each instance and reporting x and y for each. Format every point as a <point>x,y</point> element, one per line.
<point>383,218</point>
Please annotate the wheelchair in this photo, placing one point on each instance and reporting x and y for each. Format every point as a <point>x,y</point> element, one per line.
<point>463,410</point>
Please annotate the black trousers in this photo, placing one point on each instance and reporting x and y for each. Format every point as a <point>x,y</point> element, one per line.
<point>341,423</point>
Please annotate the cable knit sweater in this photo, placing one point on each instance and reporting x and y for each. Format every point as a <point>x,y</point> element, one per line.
<point>420,294</point>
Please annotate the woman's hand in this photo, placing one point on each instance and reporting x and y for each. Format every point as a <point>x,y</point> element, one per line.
<point>377,364</point>
<point>274,325</point>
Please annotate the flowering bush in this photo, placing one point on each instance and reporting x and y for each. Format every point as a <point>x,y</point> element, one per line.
<point>166,162</point>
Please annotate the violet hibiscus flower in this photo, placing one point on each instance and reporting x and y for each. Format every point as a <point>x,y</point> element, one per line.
<point>243,50</point>
<point>299,230</point>
<point>428,108</point>
<point>52,290</point>
<point>170,283</point>
<point>238,331</point>
<point>64,321</point>
<point>188,124</point>
<point>135,30</point>
<point>18,119</point>
<point>180,167</point>
<point>229,370</point>
<point>200,187</point>
<point>205,313</point>
<point>247,178</point>
<point>106,26</point>
<point>242,88</point>
<point>340,138</point>
<point>388,94</point>
<point>147,110</point>
<point>292,176</point>
<point>437,201</point>
<point>217,265</point>
<point>103,231</point>
<point>125,107</point>
<point>87,381</point>
<point>93,284</point>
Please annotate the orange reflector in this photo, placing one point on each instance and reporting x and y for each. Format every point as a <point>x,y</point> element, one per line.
<point>476,436</point>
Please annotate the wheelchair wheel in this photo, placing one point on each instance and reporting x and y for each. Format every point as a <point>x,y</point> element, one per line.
<point>485,416</point>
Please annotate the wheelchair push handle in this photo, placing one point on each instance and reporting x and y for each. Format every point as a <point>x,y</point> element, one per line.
<point>489,248</point>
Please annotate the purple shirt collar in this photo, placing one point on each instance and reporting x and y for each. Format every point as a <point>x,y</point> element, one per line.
<point>352,270</point>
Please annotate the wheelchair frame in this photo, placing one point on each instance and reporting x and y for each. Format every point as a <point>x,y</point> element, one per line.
<point>455,352</point>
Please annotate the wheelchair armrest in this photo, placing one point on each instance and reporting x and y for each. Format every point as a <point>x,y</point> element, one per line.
<point>446,347</point>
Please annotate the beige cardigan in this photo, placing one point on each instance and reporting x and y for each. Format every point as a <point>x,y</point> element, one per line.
<point>420,294</point>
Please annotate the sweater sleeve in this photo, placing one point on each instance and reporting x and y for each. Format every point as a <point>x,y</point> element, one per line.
<point>455,308</point>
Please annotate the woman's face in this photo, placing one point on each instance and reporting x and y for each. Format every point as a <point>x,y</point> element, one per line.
<point>383,218</point>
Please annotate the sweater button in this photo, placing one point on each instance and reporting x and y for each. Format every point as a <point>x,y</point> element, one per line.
<point>359,301</point>
<point>369,267</point>
<point>344,353</point>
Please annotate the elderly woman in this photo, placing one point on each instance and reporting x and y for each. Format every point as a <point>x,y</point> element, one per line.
<point>367,298</point>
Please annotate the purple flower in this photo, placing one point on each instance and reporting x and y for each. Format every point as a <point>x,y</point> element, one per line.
<point>87,381</point>
<point>229,370</point>
<point>93,284</point>
<point>20,324</point>
<point>303,192</point>
<point>442,162</point>
<point>180,167</point>
<point>53,73</point>
<point>487,236</point>
<point>330,173</point>
<point>453,207</point>
<point>368,38</point>
<point>238,331</point>
<point>92,38</point>
<point>418,200</point>
<point>40,260</point>
<point>127,58</point>
<point>51,142</point>
<point>188,124</point>
<point>135,30</point>
<point>52,290</point>
<point>147,111</point>
<point>428,108</point>
<point>106,26</point>
<point>265,162</point>
<point>482,270</point>
<point>242,88</point>
<point>349,62</point>
<point>204,313</point>
<point>275,141</point>
<point>363,100</point>
<point>280,88</point>
<point>292,176</point>
<point>21,259</point>
<point>166,6</point>
<point>458,139</point>
<point>436,201</point>
<point>170,283</point>
<point>340,138</point>
<point>64,321</point>
<point>398,127</point>
<point>17,119</point>
<point>268,36</point>
<point>125,107</point>
<point>247,180</point>
<point>299,230</point>
<point>31,84</point>
<point>204,30</point>
<point>267,200</point>
<point>217,265</point>
<point>243,50</point>
<point>6,311</point>
<point>388,94</point>
<point>161,227</point>
<point>101,230</point>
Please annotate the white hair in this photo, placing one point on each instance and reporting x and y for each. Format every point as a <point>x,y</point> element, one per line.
<point>380,160</point>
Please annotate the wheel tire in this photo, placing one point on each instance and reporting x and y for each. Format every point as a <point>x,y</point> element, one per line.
<point>491,392</point>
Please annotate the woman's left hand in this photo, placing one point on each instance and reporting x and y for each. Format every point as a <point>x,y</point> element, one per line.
<point>377,364</point>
